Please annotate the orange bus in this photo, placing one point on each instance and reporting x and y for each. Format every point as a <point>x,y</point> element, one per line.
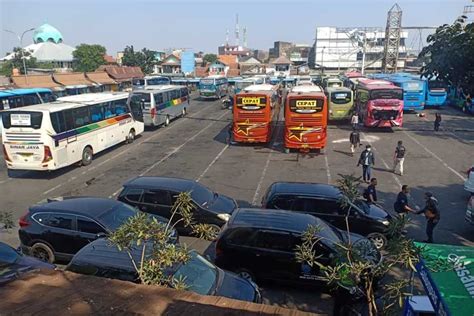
<point>306,119</point>
<point>255,113</point>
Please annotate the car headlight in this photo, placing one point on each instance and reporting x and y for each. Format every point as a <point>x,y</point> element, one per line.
<point>385,222</point>
<point>225,217</point>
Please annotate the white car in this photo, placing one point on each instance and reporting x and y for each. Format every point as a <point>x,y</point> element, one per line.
<point>469,184</point>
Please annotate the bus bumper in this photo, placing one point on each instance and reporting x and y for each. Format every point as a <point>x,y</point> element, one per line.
<point>251,139</point>
<point>28,166</point>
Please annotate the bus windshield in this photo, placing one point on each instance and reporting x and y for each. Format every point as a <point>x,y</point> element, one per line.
<point>306,105</point>
<point>342,97</point>
<point>138,82</point>
<point>207,81</point>
<point>157,81</point>
<point>242,85</point>
<point>386,94</point>
<point>22,119</point>
<point>437,85</point>
<point>413,86</point>
<point>142,99</point>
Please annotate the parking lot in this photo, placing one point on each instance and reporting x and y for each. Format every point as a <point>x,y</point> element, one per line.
<point>195,147</point>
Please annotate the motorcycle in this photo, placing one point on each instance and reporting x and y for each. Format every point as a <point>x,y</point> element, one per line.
<point>226,104</point>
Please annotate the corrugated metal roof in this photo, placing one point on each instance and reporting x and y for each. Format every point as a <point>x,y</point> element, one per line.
<point>100,77</point>
<point>35,81</point>
<point>71,79</point>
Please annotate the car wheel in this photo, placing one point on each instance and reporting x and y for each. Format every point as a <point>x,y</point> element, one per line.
<point>43,252</point>
<point>130,137</point>
<point>379,240</point>
<point>86,156</point>
<point>167,121</point>
<point>215,229</point>
<point>245,274</point>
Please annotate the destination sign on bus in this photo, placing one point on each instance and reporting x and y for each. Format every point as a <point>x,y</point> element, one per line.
<point>306,105</point>
<point>19,119</point>
<point>251,103</point>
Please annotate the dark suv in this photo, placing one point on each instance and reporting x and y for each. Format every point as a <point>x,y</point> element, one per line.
<point>57,230</point>
<point>323,201</point>
<point>156,195</point>
<point>261,244</point>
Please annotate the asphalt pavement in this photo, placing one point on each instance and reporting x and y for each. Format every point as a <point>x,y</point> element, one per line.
<point>195,147</point>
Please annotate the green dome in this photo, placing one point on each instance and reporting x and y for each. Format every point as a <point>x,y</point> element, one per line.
<point>47,33</point>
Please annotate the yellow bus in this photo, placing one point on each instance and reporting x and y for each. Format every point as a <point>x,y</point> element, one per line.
<point>341,103</point>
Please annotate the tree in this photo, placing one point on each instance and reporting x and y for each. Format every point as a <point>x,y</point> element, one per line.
<point>152,239</point>
<point>17,62</point>
<point>209,58</point>
<point>88,57</point>
<point>357,268</point>
<point>450,54</point>
<point>145,59</point>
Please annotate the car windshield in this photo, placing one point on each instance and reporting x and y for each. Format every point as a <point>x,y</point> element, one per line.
<point>116,216</point>
<point>202,195</point>
<point>8,255</point>
<point>330,235</point>
<point>363,206</point>
<point>198,274</point>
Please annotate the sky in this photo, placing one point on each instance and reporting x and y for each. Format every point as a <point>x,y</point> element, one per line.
<point>201,25</point>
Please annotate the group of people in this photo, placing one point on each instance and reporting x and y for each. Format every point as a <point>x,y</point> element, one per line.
<point>401,206</point>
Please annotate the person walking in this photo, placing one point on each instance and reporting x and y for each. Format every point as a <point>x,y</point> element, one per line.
<point>354,139</point>
<point>432,215</point>
<point>366,160</point>
<point>370,194</point>
<point>355,120</point>
<point>399,158</point>
<point>230,131</point>
<point>437,122</point>
<point>401,204</point>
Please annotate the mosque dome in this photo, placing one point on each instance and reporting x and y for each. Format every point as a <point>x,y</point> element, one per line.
<point>47,33</point>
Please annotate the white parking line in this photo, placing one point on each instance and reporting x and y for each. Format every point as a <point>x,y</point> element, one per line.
<point>212,163</point>
<point>328,173</point>
<point>262,176</point>
<point>435,156</point>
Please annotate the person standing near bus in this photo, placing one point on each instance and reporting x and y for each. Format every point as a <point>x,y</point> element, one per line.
<point>367,160</point>
<point>370,194</point>
<point>399,158</point>
<point>437,121</point>
<point>432,215</point>
<point>401,204</point>
<point>355,120</point>
<point>354,139</point>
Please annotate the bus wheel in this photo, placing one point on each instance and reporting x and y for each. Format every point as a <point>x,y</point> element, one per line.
<point>130,137</point>
<point>167,121</point>
<point>183,112</point>
<point>86,156</point>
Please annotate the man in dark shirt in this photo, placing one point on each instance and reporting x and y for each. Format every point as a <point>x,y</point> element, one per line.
<point>370,193</point>
<point>401,205</point>
<point>432,215</point>
<point>367,160</point>
<point>354,139</point>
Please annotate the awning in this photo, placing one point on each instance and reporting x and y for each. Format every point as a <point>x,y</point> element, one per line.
<point>447,274</point>
<point>36,81</point>
<point>100,77</point>
<point>121,74</point>
<point>71,79</point>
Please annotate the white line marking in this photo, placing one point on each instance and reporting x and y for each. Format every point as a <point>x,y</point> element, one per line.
<point>262,176</point>
<point>328,173</point>
<point>6,180</point>
<point>212,163</point>
<point>52,189</point>
<point>436,157</point>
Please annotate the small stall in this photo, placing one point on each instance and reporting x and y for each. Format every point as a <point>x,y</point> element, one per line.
<point>447,275</point>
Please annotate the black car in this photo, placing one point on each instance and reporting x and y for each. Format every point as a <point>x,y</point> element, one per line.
<point>156,195</point>
<point>324,201</point>
<point>13,263</point>
<point>102,259</point>
<point>57,230</point>
<point>261,244</point>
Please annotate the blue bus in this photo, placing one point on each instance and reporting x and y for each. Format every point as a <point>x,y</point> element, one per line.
<point>414,92</point>
<point>436,93</point>
<point>213,87</point>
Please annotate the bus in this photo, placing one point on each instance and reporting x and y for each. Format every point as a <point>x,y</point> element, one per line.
<point>161,104</point>
<point>150,81</point>
<point>246,82</point>
<point>256,110</point>
<point>414,93</point>
<point>54,135</point>
<point>332,82</point>
<point>349,79</point>
<point>436,93</point>
<point>379,103</point>
<point>457,99</point>
<point>305,118</point>
<point>213,87</point>
<point>340,103</point>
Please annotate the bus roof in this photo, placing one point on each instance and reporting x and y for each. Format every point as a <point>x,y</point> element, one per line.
<point>154,76</point>
<point>337,89</point>
<point>376,84</point>
<point>13,92</point>
<point>306,89</point>
<point>159,88</point>
<point>214,77</point>
<point>260,87</point>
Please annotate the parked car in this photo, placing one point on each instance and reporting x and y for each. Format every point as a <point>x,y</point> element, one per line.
<point>102,259</point>
<point>156,195</point>
<point>58,229</point>
<point>324,201</point>
<point>469,183</point>
<point>470,210</point>
<point>261,244</point>
<point>13,263</point>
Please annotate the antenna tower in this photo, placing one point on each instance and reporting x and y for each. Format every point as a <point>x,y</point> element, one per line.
<point>392,39</point>
<point>237,36</point>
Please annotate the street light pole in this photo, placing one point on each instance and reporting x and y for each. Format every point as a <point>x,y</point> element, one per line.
<point>20,39</point>
<point>322,59</point>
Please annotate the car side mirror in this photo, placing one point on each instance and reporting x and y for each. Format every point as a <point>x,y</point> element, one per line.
<point>100,235</point>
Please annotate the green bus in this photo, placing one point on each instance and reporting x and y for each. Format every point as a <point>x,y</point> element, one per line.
<point>340,103</point>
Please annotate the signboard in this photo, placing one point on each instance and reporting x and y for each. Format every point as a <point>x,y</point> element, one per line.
<point>18,119</point>
<point>187,62</point>
<point>251,103</point>
<point>306,106</point>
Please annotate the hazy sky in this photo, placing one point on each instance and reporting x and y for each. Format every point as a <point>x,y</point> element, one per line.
<point>201,25</point>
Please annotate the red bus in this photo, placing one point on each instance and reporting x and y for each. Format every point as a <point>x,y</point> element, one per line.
<point>306,118</point>
<point>256,111</point>
<point>379,103</point>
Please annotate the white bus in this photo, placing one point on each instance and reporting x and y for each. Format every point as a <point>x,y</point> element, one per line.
<point>160,104</point>
<point>72,129</point>
<point>150,81</point>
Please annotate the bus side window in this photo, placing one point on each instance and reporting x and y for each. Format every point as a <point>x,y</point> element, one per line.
<point>69,119</point>
<point>81,116</point>
<point>97,113</point>
<point>165,97</point>
<point>184,92</point>
<point>58,121</point>
<point>120,106</point>
<point>108,111</point>
<point>158,98</point>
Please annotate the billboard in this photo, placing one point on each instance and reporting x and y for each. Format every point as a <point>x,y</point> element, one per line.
<point>187,62</point>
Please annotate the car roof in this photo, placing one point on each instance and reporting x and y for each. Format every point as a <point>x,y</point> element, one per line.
<point>306,188</point>
<point>272,219</point>
<point>161,182</point>
<point>79,206</point>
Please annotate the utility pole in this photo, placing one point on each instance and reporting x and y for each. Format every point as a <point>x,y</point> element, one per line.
<point>20,39</point>
<point>392,39</point>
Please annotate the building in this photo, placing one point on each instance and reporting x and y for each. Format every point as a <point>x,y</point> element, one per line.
<point>251,65</point>
<point>280,49</point>
<point>342,48</point>
<point>171,64</point>
<point>298,54</point>
<point>235,50</point>
<point>282,66</point>
<point>48,46</point>
<point>260,54</point>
